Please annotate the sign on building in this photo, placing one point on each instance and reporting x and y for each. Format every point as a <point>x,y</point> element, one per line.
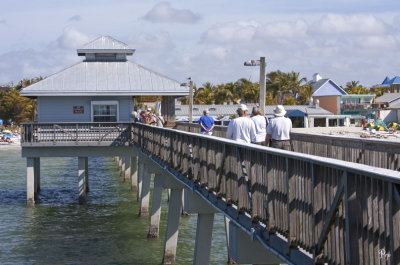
<point>78,109</point>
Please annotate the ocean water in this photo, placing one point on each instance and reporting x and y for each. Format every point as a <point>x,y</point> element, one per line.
<point>106,230</point>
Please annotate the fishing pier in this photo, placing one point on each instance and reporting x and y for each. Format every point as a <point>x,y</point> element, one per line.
<point>333,200</point>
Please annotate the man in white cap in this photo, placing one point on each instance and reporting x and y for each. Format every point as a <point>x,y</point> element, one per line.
<point>278,130</point>
<point>241,129</point>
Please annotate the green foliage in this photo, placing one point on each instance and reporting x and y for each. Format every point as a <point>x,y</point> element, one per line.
<point>379,91</point>
<point>289,101</point>
<point>15,108</point>
<point>354,88</point>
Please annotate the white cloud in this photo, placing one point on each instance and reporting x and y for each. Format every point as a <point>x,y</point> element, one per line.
<point>72,38</point>
<point>296,29</point>
<point>3,21</point>
<point>231,32</point>
<point>358,24</point>
<point>164,13</point>
<point>158,42</point>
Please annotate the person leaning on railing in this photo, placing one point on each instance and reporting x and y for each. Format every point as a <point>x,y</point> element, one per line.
<point>278,130</point>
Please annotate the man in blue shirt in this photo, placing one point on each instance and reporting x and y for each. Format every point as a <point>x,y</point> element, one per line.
<point>206,123</point>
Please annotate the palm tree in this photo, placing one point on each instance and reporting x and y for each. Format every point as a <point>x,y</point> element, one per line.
<point>354,87</point>
<point>205,94</point>
<point>248,90</point>
<point>305,93</point>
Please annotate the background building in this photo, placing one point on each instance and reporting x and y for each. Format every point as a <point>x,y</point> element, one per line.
<point>105,87</point>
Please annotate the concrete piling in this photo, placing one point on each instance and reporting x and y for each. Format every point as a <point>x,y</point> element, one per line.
<point>134,173</point>
<point>171,238</point>
<point>156,207</point>
<point>145,192</point>
<point>30,181</point>
<point>82,169</point>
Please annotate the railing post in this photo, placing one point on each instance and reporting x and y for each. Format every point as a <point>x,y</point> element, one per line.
<point>77,135</point>
<point>31,140</point>
<point>54,133</point>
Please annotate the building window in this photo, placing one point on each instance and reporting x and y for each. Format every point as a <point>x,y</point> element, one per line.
<point>104,111</point>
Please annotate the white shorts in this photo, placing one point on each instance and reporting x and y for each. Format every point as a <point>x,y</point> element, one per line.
<point>207,133</point>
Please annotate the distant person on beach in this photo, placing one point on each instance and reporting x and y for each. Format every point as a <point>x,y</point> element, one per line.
<point>206,123</point>
<point>278,130</point>
<point>241,129</point>
<point>260,123</point>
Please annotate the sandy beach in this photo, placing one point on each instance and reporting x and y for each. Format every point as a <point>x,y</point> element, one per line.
<point>351,132</point>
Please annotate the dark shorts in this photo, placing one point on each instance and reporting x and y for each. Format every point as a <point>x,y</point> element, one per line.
<point>285,144</point>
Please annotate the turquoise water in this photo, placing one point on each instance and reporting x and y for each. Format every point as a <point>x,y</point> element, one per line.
<point>107,230</point>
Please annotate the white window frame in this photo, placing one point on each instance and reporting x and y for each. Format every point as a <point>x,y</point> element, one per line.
<point>104,102</point>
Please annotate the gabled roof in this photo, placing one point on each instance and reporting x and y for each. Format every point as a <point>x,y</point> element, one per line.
<point>327,87</point>
<point>106,79</point>
<point>395,80</point>
<point>386,81</point>
<point>387,97</point>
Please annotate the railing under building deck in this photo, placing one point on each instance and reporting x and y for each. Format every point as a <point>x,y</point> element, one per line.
<point>330,210</point>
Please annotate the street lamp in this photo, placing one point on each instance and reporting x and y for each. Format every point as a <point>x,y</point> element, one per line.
<point>262,65</point>
<point>190,84</point>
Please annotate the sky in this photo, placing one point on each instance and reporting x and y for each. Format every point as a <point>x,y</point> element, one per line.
<point>208,40</point>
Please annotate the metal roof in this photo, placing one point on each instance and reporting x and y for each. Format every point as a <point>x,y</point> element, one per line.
<point>387,97</point>
<point>106,79</point>
<point>228,110</point>
<point>105,44</point>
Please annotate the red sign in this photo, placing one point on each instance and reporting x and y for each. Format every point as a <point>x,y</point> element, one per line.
<point>78,109</point>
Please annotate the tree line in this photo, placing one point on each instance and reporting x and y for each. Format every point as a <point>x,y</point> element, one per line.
<point>281,88</point>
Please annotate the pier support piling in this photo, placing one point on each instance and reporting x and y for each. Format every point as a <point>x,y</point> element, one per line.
<point>127,172</point>
<point>37,175</point>
<point>156,207</point>
<point>145,193</point>
<point>123,166</point>
<point>174,213</point>
<point>140,177</point>
<point>82,169</point>
<point>30,181</point>
<point>87,173</point>
<point>134,173</point>
<point>202,248</point>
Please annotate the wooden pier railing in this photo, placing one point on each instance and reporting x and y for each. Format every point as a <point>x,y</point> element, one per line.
<point>52,133</point>
<point>332,211</point>
<point>378,153</point>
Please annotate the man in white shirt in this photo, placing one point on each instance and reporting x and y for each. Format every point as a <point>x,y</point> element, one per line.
<point>278,130</point>
<point>260,123</point>
<point>241,129</point>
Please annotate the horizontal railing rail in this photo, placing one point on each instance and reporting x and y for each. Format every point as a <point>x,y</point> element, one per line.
<point>378,153</point>
<point>75,132</point>
<point>336,211</point>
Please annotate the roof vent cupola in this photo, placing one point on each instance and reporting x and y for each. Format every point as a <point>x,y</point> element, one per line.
<point>105,49</point>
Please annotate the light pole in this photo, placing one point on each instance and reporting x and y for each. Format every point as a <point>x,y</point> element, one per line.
<point>262,65</point>
<point>190,98</point>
